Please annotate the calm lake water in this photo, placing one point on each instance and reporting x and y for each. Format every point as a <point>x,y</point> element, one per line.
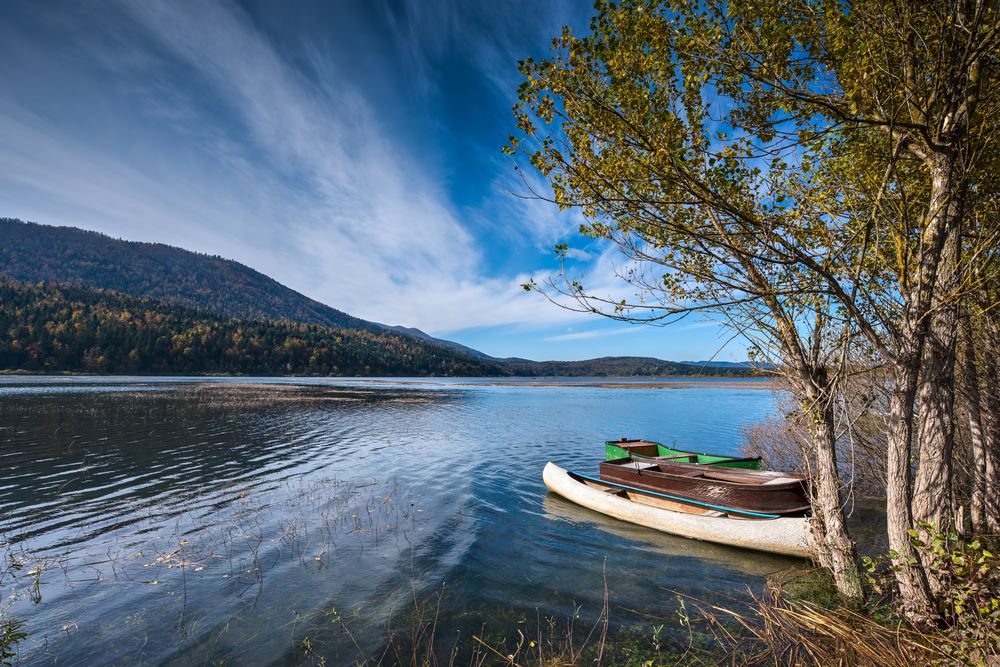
<point>255,521</point>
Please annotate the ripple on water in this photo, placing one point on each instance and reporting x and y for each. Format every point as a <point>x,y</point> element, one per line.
<point>182,522</point>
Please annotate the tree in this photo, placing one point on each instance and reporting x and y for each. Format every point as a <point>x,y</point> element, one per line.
<point>800,169</point>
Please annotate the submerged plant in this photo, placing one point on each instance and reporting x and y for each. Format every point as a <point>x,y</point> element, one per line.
<point>12,630</point>
<point>11,634</point>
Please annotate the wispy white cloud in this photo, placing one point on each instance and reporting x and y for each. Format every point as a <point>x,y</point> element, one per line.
<point>578,254</point>
<point>703,324</point>
<point>54,178</point>
<point>595,333</point>
<point>297,177</point>
<point>523,199</point>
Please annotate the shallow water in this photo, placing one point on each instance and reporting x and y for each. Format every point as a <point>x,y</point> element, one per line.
<point>253,521</point>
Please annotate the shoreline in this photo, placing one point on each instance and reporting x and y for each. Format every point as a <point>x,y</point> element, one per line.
<point>670,382</point>
<point>317,381</point>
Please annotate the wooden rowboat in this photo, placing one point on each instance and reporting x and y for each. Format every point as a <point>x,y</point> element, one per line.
<point>790,536</point>
<point>620,449</point>
<point>780,493</point>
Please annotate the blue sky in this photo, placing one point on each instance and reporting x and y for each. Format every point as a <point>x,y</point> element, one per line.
<point>350,150</point>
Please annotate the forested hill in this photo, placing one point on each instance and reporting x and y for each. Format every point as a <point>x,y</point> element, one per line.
<point>34,253</point>
<point>72,328</point>
<point>131,293</point>
<point>621,367</point>
<point>53,328</point>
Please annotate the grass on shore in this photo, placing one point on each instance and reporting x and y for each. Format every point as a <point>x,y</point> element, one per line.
<point>801,621</point>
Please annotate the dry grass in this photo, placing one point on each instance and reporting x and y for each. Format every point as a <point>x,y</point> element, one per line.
<point>783,631</point>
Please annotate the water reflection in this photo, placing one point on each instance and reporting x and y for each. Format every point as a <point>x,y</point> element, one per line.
<point>660,547</point>
<point>185,522</point>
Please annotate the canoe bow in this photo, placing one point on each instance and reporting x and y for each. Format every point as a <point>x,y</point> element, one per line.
<point>789,536</point>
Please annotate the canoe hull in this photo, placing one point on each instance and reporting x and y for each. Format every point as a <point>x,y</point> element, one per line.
<point>786,536</point>
<point>743,490</point>
<point>620,449</point>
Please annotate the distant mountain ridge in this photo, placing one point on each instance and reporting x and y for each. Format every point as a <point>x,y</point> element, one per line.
<point>34,253</point>
<point>621,367</point>
<point>417,333</point>
<point>719,364</point>
<point>55,328</point>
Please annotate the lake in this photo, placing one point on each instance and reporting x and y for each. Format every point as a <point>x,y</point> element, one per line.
<point>260,521</point>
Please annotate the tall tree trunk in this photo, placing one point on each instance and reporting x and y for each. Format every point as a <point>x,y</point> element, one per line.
<point>933,491</point>
<point>814,389</point>
<point>921,321</point>
<point>971,399</point>
<point>932,488</point>
<point>838,551</point>
<point>914,593</point>
<point>990,406</point>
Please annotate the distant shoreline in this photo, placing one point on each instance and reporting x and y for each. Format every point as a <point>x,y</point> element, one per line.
<point>313,381</point>
<point>665,382</point>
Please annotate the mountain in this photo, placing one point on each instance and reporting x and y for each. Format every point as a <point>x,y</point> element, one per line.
<point>619,367</point>
<point>47,327</point>
<point>417,333</point>
<point>745,365</point>
<point>718,364</point>
<point>32,253</point>
<point>222,296</point>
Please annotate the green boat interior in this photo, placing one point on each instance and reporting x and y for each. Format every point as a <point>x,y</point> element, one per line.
<point>645,449</point>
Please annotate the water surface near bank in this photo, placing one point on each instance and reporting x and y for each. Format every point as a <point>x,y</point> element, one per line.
<point>185,520</point>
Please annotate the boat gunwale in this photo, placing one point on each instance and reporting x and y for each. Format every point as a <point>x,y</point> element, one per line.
<point>782,486</point>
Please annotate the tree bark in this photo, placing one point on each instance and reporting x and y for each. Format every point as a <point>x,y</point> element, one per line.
<point>932,487</point>
<point>838,551</point>
<point>932,492</point>
<point>991,421</point>
<point>971,399</point>
<point>914,592</point>
<point>923,337</point>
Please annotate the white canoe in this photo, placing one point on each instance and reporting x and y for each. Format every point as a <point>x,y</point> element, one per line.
<point>785,535</point>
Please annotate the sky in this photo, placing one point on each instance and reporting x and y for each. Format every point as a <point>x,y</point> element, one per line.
<point>349,149</point>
